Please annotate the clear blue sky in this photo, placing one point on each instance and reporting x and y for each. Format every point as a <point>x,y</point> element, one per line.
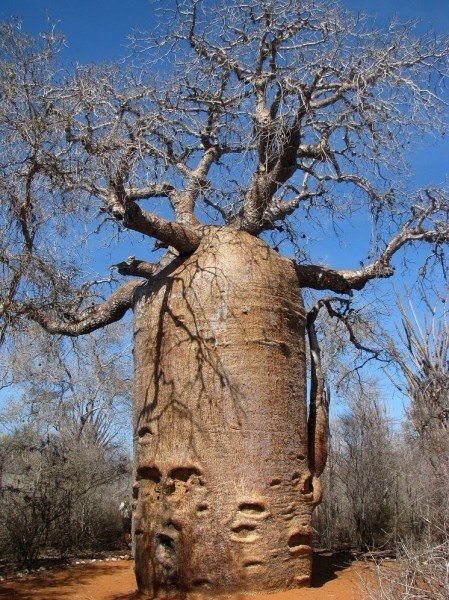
<point>96,30</point>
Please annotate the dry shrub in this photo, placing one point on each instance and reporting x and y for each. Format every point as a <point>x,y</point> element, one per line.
<point>58,496</point>
<point>419,574</point>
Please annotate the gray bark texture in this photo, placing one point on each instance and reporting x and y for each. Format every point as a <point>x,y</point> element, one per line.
<point>224,491</point>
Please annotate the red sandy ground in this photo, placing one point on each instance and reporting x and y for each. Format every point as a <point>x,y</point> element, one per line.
<point>335,578</point>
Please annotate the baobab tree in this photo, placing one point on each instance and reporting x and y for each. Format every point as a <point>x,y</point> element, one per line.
<point>241,125</point>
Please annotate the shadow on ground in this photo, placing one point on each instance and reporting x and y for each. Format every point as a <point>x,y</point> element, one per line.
<point>327,564</point>
<point>59,584</point>
<point>97,581</point>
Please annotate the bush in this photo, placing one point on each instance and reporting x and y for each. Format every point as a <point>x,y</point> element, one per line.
<point>59,495</point>
<point>419,574</point>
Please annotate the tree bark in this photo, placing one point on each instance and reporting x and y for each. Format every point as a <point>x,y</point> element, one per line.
<point>224,492</point>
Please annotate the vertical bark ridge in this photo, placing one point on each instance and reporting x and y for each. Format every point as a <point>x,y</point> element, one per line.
<point>318,421</point>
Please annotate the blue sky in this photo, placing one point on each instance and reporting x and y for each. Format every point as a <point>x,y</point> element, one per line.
<point>96,30</point>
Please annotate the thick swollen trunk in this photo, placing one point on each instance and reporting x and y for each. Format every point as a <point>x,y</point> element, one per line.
<point>224,492</point>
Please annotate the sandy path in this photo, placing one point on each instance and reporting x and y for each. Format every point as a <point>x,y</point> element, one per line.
<point>335,579</point>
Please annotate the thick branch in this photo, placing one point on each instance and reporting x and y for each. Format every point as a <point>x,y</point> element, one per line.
<point>136,267</point>
<point>279,209</point>
<point>276,164</point>
<point>154,190</point>
<point>95,317</point>
<point>270,174</point>
<point>184,202</point>
<point>180,237</point>
<point>344,280</point>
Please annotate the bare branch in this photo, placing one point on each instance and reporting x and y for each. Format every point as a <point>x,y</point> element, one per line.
<point>345,280</point>
<point>184,202</point>
<point>344,316</point>
<point>420,352</point>
<point>135,267</point>
<point>155,190</point>
<point>266,108</point>
<point>184,239</point>
<point>95,317</point>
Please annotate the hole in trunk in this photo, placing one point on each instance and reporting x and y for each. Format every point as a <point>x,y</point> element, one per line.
<point>307,488</point>
<point>253,508</point>
<point>296,478</point>
<point>166,541</point>
<point>145,430</point>
<point>243,530</point>
<point>275,482</point>
<point>173,526</point>
<point>201,582</point>
<point>184,473</point>
<point>298,539</point>
<point>150,473</point>
<point>252,563</point>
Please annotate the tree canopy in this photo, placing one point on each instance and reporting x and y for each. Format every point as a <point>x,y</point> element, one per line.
<point>261,116</point>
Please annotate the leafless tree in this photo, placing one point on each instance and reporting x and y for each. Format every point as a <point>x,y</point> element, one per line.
<point>419,350</point>
<point>421,540</point>
<point>65,461</point>
<point>367,467</point>
<point>241,120</point>
<point>420,353</point>
<point>78,387</point>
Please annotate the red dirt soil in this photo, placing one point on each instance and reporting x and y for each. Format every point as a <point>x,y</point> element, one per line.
<point>335,578</point>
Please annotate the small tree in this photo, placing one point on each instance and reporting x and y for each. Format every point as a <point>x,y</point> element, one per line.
<point>65,470</point>
<point>419,352</point>
<point>239,118</point>
<point>366,467</point>
<point>79,388</point>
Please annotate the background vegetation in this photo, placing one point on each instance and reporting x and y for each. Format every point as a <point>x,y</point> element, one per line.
<point>65,454</point>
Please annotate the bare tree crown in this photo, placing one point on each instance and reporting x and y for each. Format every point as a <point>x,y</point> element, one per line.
<point>244,115</point>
